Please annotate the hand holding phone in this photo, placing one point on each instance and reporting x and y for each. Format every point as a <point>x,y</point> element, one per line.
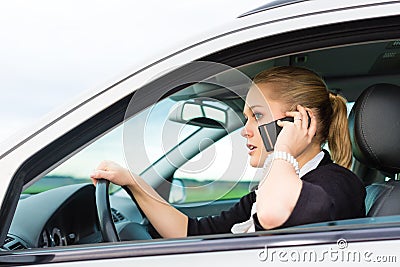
<point>270,131</point>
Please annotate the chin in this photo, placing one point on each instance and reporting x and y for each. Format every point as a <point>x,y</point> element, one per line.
<point>256,163</point>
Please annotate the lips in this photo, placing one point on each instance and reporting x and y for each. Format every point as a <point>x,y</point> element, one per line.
<point>251,147</point>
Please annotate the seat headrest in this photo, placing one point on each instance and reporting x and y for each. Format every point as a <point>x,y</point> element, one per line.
<point>375,128</point>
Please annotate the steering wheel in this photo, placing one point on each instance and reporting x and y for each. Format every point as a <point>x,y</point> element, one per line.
<point>107,226</point>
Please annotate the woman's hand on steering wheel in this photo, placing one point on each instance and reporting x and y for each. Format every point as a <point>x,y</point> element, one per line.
<point>114,173</point>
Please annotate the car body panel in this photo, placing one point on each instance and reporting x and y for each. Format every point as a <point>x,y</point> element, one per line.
<point>235,251</point>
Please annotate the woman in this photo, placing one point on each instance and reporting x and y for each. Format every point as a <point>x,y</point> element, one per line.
<point>301,183</point>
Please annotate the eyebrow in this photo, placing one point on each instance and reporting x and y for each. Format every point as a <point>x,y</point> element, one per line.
<point>252,107</point>
<point>256,106</point>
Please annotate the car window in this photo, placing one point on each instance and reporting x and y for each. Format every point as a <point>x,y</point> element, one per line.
<point>219,172</point>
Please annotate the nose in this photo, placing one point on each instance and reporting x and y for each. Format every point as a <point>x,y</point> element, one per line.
<point>246,131</point>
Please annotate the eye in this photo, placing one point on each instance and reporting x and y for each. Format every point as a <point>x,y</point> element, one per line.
<point>258,116</point>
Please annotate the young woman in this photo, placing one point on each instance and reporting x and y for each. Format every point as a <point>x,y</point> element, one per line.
<point>301,185</point>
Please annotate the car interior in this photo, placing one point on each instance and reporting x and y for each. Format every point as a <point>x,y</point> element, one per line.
<point>366,74</point>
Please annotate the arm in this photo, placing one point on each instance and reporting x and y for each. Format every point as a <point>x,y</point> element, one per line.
<point>222,223</point>
<point>168,221</point>
<point>280,190</point>
<point>278,195</point>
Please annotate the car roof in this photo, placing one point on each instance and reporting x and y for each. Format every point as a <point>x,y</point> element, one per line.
<point>271,5</point>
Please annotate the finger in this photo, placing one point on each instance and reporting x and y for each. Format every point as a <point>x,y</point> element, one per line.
<point>94,181</point>
<point>294,114</point>
<point>283,123</point>
<point>304,117</point>
<point>296,117</point>
<point>100,174</point>
<point>104,165</point>
<point>297,121</point>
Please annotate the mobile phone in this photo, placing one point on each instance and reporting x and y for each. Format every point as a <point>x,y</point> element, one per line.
<point>270,131</point>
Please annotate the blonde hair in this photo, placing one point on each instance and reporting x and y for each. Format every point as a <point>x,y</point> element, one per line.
<point>300,86</point>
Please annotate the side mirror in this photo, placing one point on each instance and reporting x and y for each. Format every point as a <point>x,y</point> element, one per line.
<point>205,113</point>
<point>178,192</point>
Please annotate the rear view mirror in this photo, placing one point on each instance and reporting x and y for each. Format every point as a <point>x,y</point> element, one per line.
<point>204,113</point>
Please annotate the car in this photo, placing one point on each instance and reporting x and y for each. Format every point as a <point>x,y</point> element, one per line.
<point>176,121</point>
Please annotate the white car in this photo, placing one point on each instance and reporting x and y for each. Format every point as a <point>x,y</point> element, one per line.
<point>176,121</point>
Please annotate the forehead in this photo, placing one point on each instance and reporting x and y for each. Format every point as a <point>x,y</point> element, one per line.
<point>255,97</point>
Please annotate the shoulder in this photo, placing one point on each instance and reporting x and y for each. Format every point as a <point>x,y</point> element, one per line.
<point>333,174</point>
<point>327,168</point>
<point>333,168</point>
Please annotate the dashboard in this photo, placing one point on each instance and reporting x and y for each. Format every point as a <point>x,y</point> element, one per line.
<point>68,216</point>
<point>59,217</point>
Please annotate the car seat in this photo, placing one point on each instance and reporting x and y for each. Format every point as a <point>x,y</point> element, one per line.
<point>374,125</point>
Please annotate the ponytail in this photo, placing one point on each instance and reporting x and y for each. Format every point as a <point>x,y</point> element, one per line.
<point>339,135</point>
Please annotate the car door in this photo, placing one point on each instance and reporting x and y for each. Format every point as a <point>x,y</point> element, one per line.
<point>261,41</point>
